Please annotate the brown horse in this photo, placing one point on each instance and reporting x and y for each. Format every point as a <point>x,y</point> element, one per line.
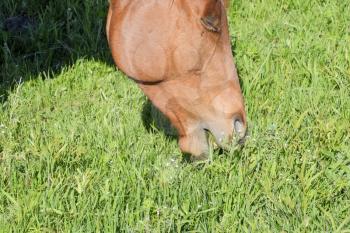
<point>179,53</point>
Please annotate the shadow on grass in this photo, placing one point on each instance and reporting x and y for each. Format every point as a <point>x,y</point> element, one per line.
<point>154,121</point>
<point>38,38</point>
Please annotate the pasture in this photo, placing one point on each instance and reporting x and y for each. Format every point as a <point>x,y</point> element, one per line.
<point>81,151</point>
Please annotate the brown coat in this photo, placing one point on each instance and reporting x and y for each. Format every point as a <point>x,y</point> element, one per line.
<point>179,53</point>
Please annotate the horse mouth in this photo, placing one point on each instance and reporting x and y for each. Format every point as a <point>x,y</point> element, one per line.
<point>223,142</point>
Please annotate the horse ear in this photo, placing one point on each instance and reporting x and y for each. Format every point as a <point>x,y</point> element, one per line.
<point>211,18</point>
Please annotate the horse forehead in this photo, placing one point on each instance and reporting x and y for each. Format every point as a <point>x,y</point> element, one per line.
<point>190,7</point>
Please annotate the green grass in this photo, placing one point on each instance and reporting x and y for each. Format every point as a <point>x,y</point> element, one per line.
<point>80,152</point>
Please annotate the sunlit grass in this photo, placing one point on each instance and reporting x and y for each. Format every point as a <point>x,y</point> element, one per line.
<point>79,151</point>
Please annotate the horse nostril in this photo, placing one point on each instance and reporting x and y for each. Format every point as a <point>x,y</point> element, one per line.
<point>239,128</point>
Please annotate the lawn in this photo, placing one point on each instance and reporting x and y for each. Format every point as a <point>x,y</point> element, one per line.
<point>82,151</point>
